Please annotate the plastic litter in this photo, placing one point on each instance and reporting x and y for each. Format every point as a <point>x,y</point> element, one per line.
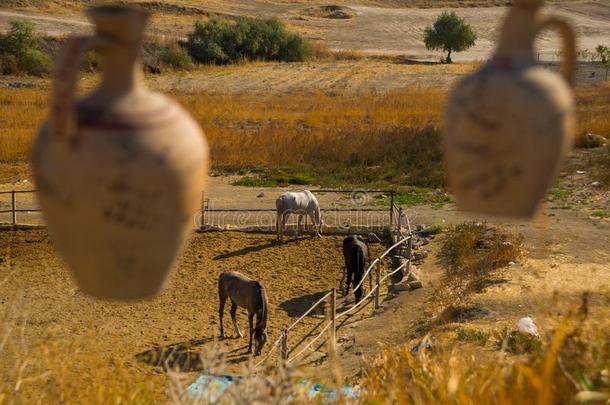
<point>526,325</point>
<point>211,387</point>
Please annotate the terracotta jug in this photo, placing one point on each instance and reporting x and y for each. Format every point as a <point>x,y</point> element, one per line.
<point>509,125</point>
<point>120,171</point>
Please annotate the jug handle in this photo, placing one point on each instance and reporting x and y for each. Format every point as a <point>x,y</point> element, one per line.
<point>568,66</point>
<point>63,119</point>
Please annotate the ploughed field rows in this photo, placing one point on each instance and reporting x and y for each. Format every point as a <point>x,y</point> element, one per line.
<point>35,287</point>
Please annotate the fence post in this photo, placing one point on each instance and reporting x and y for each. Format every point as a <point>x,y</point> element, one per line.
<point>14,208</point>
<point>333,319</point>
<point>409,253</point>
<point>284,348</point>
<point>391,209</point>
<point>202,223</point>
<point>377,278</point>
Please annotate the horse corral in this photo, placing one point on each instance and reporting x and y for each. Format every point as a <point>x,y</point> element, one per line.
<point>295,275</point>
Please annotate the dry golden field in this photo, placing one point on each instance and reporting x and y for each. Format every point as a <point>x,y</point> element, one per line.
<point>395,131</point>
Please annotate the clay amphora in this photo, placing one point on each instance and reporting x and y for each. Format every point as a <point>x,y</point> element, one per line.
<point>119,172</point>
<point>509,125</point>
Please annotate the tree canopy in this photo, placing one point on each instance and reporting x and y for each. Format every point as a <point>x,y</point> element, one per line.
<point>449,33</point>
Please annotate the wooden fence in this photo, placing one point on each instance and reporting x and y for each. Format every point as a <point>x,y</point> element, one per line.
<point>14,208</point>
<point>206,211</point>
<point>288,355</point>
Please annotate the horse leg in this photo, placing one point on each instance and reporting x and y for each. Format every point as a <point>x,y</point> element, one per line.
<point>223,299</point>
<point>349,278</point>
<point>234,318</point>
<point>285,216</point>
<point>250,319</point>
<point>358,291</point>
<point>316,222</point>
<point>278,226</point>
<point>299,220</point>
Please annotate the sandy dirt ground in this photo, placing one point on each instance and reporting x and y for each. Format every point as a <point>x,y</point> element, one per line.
<point>377,30</point>
<point>295,275</point>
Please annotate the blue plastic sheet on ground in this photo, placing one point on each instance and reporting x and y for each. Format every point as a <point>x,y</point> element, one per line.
<point>210,388</point>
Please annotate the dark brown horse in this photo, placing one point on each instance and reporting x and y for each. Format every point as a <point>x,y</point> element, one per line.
<point>248,294</point>
<point>356,254</point>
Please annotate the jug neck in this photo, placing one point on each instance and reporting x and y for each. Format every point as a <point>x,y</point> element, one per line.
<point>518,34</point>
<point>121,70</point>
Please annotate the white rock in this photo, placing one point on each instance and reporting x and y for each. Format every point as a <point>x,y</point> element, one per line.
<point>526,325</point>
<point>511,263</point>
<point>596,184</point>
<point>581,172</point>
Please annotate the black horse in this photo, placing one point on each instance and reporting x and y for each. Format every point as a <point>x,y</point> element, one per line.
<point>356,254</point>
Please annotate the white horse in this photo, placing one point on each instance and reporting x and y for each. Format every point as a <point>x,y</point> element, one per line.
<point>299,203</point>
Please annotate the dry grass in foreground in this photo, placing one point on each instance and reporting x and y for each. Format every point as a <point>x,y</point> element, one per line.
<point>363,138</point>
<point>572,367</point>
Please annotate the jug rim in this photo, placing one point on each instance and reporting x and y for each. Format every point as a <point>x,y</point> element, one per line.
<point>117,10</point>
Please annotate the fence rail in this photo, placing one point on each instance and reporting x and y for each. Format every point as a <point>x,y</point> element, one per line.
<point>205,208</point>
<point>14,210</point>
<point>211,217</point>
<point>331,323</point>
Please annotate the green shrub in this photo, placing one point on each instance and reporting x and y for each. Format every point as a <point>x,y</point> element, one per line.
<point>20,37</point>
<point>19,50</point>
<point>9,65</point>
<point>34,62</point>
<point>221,41</point>
<point>603,53</point>
<point>176,57</point>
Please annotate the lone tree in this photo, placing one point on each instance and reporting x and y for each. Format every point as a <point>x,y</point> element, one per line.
<point>449,33</point>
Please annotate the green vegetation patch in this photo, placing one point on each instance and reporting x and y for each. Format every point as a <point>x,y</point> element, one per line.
<point>473,336</point>
<point>221,41</point>
<point>275,180</point>
<point>518,343</point>
<point>420,196</point>
<point>20,51</point>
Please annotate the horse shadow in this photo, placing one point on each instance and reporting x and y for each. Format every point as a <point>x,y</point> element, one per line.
<point>181,357</point>
<point>176,356</point>
<point>252,249</point>
<point>296,307</point>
